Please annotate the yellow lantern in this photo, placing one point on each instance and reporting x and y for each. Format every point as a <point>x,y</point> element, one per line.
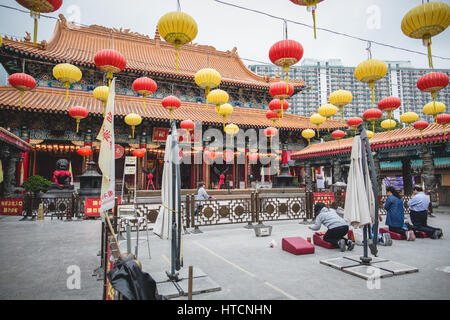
<point>308,134</point>
<point>177,28</point>
<point>217,97</point>
<point>231,129</point>
<point>341,98</point>
<point>68,74</point>
<point>328,110</point>
<point>207,79</point>
<point>388,124</point>
<point>133,120</point>
<point>317,119</point>
<point>409,117</point>
<point>101,93</point>
<point>370,71</point>
<point>369,134</point>
<point>425,21</point>
<point>434,108</point>
<point>225,110</point>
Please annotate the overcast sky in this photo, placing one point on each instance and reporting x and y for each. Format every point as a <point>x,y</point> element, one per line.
<point>225,27</point>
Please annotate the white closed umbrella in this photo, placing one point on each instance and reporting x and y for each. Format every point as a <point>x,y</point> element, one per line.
<point>357,209</point>
<point>163,224</point>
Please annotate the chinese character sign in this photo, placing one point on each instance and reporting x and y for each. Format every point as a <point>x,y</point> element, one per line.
<point>11,206</point>
<point>92,207</point>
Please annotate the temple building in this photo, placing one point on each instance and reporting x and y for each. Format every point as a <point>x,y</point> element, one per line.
<point>421,158</point>
<point>42,119</point>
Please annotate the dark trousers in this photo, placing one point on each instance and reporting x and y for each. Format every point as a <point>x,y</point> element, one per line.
<point>419,221</point>
<point>198,209</point>
<point>399,230</point>
<point>334,235</point>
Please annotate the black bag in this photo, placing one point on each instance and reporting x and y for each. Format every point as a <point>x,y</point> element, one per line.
<point>133,284</point>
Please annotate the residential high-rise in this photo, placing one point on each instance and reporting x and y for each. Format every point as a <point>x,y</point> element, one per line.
<point>324,77</point>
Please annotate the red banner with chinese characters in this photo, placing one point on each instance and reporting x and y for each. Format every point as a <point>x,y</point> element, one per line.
<point>92,207</point>
<point>11,206</point>
<point>161,134</point>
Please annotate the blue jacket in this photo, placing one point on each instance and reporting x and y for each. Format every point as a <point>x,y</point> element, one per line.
<point>395,212</point>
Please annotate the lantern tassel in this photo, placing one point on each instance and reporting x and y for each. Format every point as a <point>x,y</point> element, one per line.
<point>430,57</point>
<point>21,95</point>
<point>78,124</point>
<point>145,107</point>
<point>309,141</point>
<point>132,130</point>
<point>104,109</point>
<point>372,86</point>
<point>35,31</point>
<point>342,115</point>
<point>176,61</point>
<point>314,22</point>
<point>373,126</point>
<point>67,85</point>
<point>421,136</point>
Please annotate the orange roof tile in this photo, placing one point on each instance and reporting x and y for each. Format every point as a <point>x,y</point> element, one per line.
<point>380,140</point>
<point>44,99</point>
<point>79,44</point>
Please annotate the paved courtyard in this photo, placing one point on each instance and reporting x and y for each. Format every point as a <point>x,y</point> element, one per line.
<point>39,258</point>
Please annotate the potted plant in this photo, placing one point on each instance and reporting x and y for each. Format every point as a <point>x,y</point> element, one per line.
<point>35,185</point>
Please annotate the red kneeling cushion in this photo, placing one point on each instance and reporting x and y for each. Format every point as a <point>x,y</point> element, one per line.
<point>394,235</point>
<point>297,245</point>
<point>318,241</point>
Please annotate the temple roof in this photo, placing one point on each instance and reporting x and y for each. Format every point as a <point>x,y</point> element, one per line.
<point>79,44</point>
<point>380,140</point>
<point>12,139</point>
<point>45,99</point>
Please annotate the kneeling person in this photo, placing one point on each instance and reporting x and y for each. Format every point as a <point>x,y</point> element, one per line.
<point>337,226</point>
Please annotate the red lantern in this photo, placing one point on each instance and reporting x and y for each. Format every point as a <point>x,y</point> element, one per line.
<point>85,151</point>
<point>276,106</point>
<point>139,153</point>
<point>420,125</point>
<point>338,134</point>
<point>110,61</point>
<point>443,119</point>
<point>372,115</point>
<point>389,104</point>
<point>271,115</point>
<point>270,132</point>
<point>78,113</point>
<point>432,82</point>
<point>281,91</point>
<point>37,7</point>
<point>22,82</point>
<point>354,122</point>
<point>210,154</point>
<point>188,125</point>
<point>145,87</point>
<point>286,53</point>
<point>171,103</point>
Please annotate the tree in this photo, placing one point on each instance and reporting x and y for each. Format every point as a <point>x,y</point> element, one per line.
<point>36,184</point>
